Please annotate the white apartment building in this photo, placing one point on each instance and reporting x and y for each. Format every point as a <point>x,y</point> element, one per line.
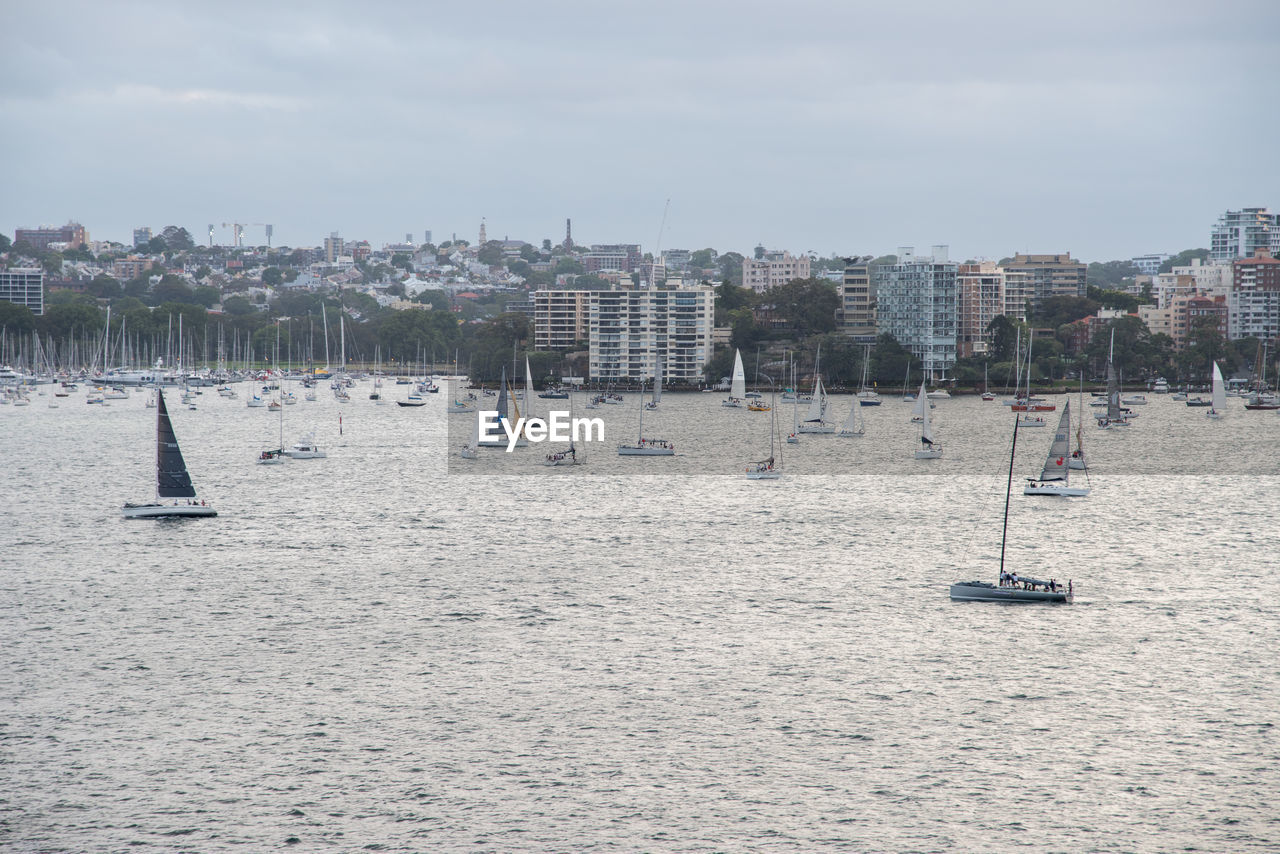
<point>1238,234</point>
<point>858,299</point>
<point>23,286</point>
<point>560,319</point>
<point>1213,279</point>
<point>917,303</point>
<point>774,269</point>
<point>1149,265</point>
<point>629,331</point>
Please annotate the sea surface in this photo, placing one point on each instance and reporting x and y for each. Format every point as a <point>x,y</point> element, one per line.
<point>388,650</point>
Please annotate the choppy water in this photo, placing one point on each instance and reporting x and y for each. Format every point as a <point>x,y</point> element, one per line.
<point>369,653</point>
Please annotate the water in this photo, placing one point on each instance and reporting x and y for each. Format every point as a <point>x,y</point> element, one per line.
<point>376,652</point>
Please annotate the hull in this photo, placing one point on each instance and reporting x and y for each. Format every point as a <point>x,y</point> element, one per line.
<point>645,451</point>
<point>1055,489</point>
<point>824,428</point>
<point>305,455</point>
<point>981,591</point>
<point>763,475</point>
<point>868,402</point>
<point>929,455</point>
<point>167,511</point>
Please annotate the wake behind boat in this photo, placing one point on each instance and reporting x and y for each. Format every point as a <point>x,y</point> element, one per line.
<point>172,480</point>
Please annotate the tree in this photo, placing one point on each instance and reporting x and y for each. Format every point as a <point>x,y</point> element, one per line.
<point>5,243</point>
<point>272,277</point>
<point>177,239</point>
<point>730,297</point>
<point>402,261</point>
<point>238,306</point>
<point>171,288</point>
<point>889,360</point>
<point>51,262</point>
<point>1111,274</point>
<point>588,282</point>
<point>1126,302</point>
<point>807,306</point>
<point>1055,311</point>
<point>105,287</point>
<point>730,265</point>
<point>206,295</point>
<point>490,253</point>
<point>1003,334</point>
<point>1183,259</point>
<point>203,271</point>
<point>568,266</point>
<point>701,259</point>
<point>546,244</point>
<point>16,318</point>
<point>436,299</point>
<point>154,246</point>
<point>61,321</point>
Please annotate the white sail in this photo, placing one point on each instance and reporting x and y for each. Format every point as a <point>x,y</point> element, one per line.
<point>1057,463</point>
<point>926,428</point>
<point>739,387</point>
<point>818,405</point>
<point>1219,399</point>
<point>921,404</point>
<point>528,387</point>
<point>853,423</point>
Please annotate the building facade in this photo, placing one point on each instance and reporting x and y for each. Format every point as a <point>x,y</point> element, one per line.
<point>980,292</point>
<point>857,312</point>
<point>560,319</point>
<point>1149,265</point>
<point>1239,234</point>
<point>1253,306</point>
<point>333,247</point>
<point>23,286</point>
<point>917,303</point>
<point>141,237</point>
<point>630,331</point>
<point>1054,275</point>
<point>72,234</point>
<point>773,269</point>
<point>623,257</point>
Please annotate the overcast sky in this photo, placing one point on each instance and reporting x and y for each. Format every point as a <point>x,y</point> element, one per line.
<point>1106,129</point>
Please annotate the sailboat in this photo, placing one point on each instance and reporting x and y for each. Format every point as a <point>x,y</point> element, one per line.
<point>498,439</point>
<point>1055,476</point>
<point>929,449</point>
<point>643,447</point>
<point>569,456</point>
<point>793,438</point>
<point>986,391</point>
<point>275,456</point>
<point>1115,417</point>
<point>867,396</point>
<point>1259,398</point>
<point>1218,402</point>
<point>767,469</point>
<point>815,419</point>
<point>738,385</point>
<point>657,386</point>
<point>1078,460</point>
<point>854,424</point>
<point>1012,586</point>
<point>172,479</point>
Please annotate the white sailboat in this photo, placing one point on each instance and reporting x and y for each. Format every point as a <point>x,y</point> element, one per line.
<point>498,438</point>
<point>1115,417</point>
<point>172,480</point>
<point>1055,476</point>
<point>275,456</point>
<point>867,396</point>
<point>1012,586</point>
<point>815,419</point>
<point>569,456</point>
<point>929,448</point>
<point>793,438</point>
<point>1218,400</point>
<point>854,424</point>
<point>657,386</point>
<point>737,385</point>
<point>643,447</point>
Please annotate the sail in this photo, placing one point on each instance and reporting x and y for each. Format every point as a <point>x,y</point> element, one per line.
<point>1113,387</point>
<point>1219,399</point>
<point>917,411</point>
<point>657,381</point>
<point>502,396</point>
<point>739,387</point>
<point>853,421</point>
<point>1056,465</point>
<point>926,429</point>
<point>172,480</point>
<point>528,386</point>
<point>818,405</point>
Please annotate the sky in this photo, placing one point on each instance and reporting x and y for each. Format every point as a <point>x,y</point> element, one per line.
<point>1104,129</point>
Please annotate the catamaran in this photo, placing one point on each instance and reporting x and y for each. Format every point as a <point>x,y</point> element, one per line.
<point>172,480</point>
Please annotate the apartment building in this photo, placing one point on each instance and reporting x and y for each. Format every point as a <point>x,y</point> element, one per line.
<point>73,234</point>
<point>1055,275</point>
<point>333,247</point>
<point>857,312</point>
<point>773,269</point>
<point>630,331</point>
<point>1239,234</point>
<point>141,237</point>
<point>1253,306</point>
<point>1149,265</point>
<point>918,304</point>
<point>624,257</point>
<point>981,298</point>
<point>23,286</point>
<point>560,319</point>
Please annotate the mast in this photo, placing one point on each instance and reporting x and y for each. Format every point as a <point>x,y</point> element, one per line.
<point>1004,533</point>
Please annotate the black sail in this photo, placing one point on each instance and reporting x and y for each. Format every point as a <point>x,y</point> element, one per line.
<point>172,480</point>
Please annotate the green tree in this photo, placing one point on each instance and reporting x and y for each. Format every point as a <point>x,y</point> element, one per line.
<point>702,259</point>
<point>729,298</point>
<point>1002,332</point>
<point>1183,259</point>
<point>889,361</point>
<point>490,253</point>
<point>1110,275</point>
<point>238,306</point>
<point>730,265</point>
<point>52,263</point>
<point>436,299</point>
<point>177,239</point>
<point>5,243</point>
<point>402,261</point>
<point>171,288</point>
<point>16,319</point>
<point>61,321</point>
<point>105,287</point>
<point>807,306</point>
<point>272,277</point>
<point>206,296</point>
<point>568,267</point>
<point>154,246</point>
<point>1055,311</point>
<point>1126,302</point>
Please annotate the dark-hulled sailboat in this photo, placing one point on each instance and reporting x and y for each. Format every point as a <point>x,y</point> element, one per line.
<point>175,495</point>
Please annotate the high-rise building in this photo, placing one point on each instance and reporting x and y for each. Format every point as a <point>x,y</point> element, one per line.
<point>560,319</point>
<point>981,297</point>
<point>1253,306</point>
<point>857,311</point>
<point>141,237</point>
<point>332,248</point>
<point>23,286</point>
<point>1239,234</point>
<point>426,236</point>
<point>73,234</point>
<point>612,256</point>
<point>629,331</point>
<point>772,269</point>
<point>1149,265</point>
<point>1055,275</point>
<point>917,303</point>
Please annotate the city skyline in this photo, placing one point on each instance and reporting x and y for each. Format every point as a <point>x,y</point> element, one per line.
<point>826,130</point>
